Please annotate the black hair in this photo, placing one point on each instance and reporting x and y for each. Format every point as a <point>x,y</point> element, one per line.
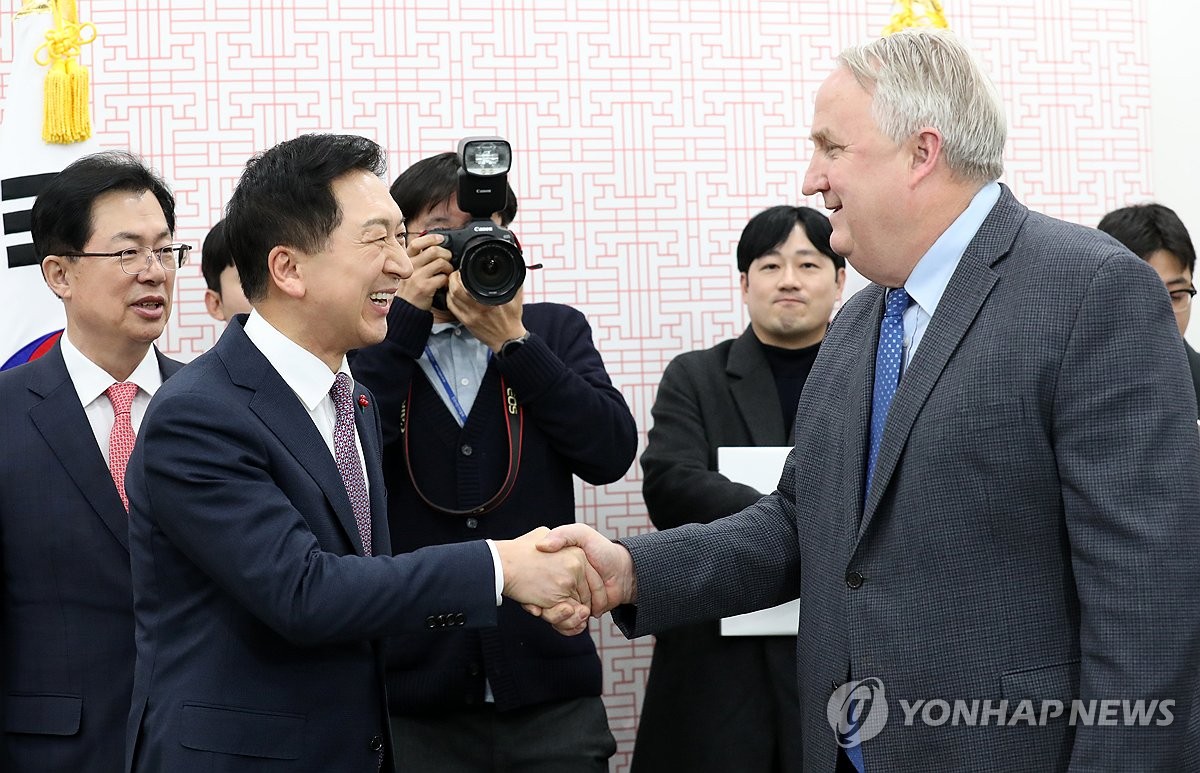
<point>215,257</point>
<point>61,220</point>
<point>772,227</point>
<point>1147,228</point>
<point>284,197</point>
<point>433,180</point>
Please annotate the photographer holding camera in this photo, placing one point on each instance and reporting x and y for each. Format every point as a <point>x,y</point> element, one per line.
<point>489,407</point>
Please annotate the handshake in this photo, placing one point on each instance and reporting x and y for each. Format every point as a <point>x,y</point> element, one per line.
<point>567,574</point>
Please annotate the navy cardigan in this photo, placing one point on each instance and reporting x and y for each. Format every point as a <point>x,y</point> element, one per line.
<point>576,423</point>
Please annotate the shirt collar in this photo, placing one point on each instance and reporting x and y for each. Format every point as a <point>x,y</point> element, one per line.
<point>91,380</point>
<point>300,369</point>
<point>931,275</point>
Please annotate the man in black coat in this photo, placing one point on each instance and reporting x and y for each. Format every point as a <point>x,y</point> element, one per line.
<point>718,703</point>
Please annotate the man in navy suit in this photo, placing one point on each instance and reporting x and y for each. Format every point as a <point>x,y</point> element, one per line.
<point>992,500</point>
<point>102,230</point>
<point>262,575</point>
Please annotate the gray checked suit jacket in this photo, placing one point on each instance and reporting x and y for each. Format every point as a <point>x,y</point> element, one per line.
<point>1032,532</point>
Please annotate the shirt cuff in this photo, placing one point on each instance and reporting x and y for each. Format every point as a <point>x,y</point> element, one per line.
<point>499,569</point>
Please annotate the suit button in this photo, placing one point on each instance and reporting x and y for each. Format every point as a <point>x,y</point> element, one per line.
<point>854,580</point>
<point>472,523</point>
<point>467,450</point>
<point>460,619</point>
<point>473,669</point>
<point>376,744</point>
<point>441,621</point>
<point>431,622</point>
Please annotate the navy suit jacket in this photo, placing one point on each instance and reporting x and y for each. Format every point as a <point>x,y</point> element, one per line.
<point>66,647</point>
<point>258,618</point>
<point>1031,531</point>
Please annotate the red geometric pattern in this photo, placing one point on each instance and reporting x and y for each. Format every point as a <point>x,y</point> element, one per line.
<point>645,134</point>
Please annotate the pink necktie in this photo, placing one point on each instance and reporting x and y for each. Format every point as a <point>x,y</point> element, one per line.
<point>120,439</point>
<point>346,454</point>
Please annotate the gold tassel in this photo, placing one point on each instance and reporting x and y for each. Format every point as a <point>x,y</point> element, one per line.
<point>66,117</point>
<point>928,13</point>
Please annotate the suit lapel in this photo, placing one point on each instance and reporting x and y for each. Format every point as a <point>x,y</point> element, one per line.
<point>859,404</point>
<point>965,294</point>
<point>281,411</point>
<point>64,426</point>
<point>753,389</point>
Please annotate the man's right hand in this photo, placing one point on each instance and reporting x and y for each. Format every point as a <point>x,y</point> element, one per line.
<point>431,270</point>
<point>556,586</point>
<point>610,560</point>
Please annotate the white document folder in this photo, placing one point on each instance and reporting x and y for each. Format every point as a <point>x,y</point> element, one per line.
<point>759,468</point>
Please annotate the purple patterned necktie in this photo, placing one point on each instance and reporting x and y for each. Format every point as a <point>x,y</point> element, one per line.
<point>346,454</point>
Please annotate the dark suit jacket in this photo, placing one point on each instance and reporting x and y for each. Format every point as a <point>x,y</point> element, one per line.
<point>714,703</point>
<point>575,422</point>
<point>66,647</point>
<point>1194,364</point>
<point>257,616</point>
<point>1032,528</point>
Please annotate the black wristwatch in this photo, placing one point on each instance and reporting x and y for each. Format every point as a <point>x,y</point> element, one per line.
<point>512,345</point>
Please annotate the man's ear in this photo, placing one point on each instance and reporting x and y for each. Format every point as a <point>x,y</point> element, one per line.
<point>212,304</point>
<point>926,150</point>
<point>284,271</point>
<point>57,276</point>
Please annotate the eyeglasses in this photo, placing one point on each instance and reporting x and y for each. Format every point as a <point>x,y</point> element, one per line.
<point>1181,299</point>
<point>135,260</point>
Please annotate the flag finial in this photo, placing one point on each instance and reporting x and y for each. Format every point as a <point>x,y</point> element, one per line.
<point>916,13</point>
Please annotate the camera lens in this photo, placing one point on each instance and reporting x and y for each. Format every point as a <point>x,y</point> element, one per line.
<point>492,270</point>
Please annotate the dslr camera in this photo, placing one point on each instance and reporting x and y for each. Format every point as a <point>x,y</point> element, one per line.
<point>487,256</point>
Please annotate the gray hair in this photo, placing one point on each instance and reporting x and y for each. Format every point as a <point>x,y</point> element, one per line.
<point>926,77</point>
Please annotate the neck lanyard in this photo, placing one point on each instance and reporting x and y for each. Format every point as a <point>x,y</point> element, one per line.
<point>437,369</point>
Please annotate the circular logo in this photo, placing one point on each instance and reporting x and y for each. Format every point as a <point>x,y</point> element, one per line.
<point>857,711</point>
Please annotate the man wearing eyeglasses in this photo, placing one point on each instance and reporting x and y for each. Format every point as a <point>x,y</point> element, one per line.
<point>102,230</point>
<point>503,406</point>
<point>1156,235</point>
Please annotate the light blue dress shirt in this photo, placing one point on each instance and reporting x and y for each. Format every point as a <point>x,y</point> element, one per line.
<point>932,273</point>
<point>462,359</point>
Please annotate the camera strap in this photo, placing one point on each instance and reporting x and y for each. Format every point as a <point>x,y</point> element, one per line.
<point>514,423</point>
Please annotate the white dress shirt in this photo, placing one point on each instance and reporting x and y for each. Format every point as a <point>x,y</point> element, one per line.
<point>91,381</point>
<point>311,380</point>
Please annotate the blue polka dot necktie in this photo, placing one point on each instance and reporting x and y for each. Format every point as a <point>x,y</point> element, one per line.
<point>888,357</point>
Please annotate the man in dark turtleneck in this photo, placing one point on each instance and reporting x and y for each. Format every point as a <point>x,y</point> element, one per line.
<point>713,703</point>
